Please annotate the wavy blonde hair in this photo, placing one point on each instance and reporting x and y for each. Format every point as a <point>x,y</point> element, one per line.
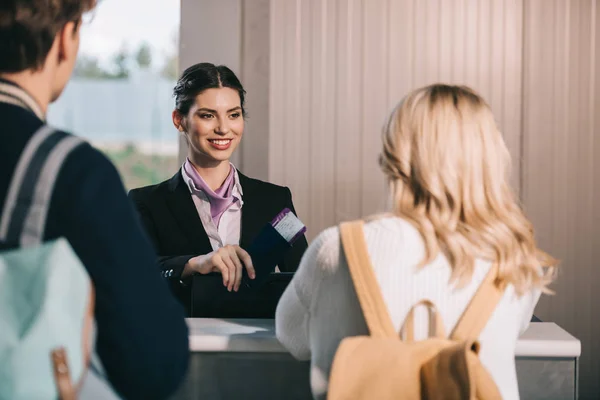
<point>448,169</point>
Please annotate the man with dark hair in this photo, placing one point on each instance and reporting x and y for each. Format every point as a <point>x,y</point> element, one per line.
<point>142,337</point>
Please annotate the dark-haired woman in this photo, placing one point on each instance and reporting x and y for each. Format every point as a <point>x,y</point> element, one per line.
<point>201,219</point>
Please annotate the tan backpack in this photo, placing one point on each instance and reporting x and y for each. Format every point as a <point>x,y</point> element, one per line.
<point>383,366</point>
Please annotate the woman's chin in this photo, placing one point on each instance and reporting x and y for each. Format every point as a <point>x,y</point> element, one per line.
<point>218,156</point>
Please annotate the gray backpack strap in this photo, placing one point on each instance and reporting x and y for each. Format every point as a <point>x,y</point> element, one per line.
<point>23,219</point>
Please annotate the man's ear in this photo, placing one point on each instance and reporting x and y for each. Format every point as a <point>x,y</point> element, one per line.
<point>68,40</point>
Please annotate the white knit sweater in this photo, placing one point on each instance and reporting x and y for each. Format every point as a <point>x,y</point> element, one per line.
<point>320,307</point>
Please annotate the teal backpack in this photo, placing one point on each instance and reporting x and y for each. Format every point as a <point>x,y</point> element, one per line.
<point>46,296</point>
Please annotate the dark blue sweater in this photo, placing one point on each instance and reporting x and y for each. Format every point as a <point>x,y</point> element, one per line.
<point>142,338</point>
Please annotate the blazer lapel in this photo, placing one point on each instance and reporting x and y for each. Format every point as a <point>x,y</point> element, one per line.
<point>182,207</point>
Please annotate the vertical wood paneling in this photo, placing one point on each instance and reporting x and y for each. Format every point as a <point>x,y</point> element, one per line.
<point>421,66</point>
<point>594,272</point>
<point>583,169</point>
<point>447,42</point>
<point>339,66</point>
<point>292,90</point>
<point>483,81</point>
<point>587,251</point>
<point>431,33</point>
<point>300,148</point>
<point>255,77</point>
<point>402,47</point>
<point>348,121</point>
<point>471,66</point>
<point>322,116</point>
<point>496,57</point>
<point>560,184</point>
<point>456,23</point>
<point>401,50</point>
<point>511,78</point>
<point>374,103</point>
<point>277,90</point>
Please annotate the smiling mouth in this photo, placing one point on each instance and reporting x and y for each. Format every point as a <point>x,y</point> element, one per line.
<point>220,142</point>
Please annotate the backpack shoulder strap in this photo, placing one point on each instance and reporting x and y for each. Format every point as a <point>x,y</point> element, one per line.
<point>480,309</point>
<point>28,198</point>
<point>367,289</point>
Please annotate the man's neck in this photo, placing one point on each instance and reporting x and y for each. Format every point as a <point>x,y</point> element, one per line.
<point>35,84</point>
<point>214,175</point>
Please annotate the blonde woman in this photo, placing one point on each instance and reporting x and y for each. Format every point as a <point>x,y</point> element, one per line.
<point>454,214</point>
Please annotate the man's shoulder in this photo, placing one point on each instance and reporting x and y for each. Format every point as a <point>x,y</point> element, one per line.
<point>82,158</point>
<point>85,158</point>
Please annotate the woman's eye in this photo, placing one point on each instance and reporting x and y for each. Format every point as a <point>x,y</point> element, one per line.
<point>206,116</point>
<point>235,115</point>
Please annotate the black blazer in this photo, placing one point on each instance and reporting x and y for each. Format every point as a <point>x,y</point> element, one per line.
<point>170,217</point>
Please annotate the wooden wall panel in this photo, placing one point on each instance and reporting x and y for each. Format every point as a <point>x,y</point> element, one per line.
<point>508,108</point>
<point>254,160</point>
<point>347,186</point>
<point>322,116</point>
<point>338,67</point>
<point>594,345</point>
<point>278,86</point>
<point>560,173</point>
<point>374,107</point>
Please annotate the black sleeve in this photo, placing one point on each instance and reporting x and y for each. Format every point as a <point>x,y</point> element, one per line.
<point>171,266</point>
<point>142,337</point>
<point>292,259</point>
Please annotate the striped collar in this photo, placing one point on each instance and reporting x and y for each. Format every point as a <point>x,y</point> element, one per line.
<point>11,93</point>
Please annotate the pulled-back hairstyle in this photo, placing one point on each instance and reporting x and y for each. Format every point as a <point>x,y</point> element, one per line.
<point>448,169</point>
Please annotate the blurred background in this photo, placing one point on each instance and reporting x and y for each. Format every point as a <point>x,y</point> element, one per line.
<point>120,97</point>
<point>321,76</point>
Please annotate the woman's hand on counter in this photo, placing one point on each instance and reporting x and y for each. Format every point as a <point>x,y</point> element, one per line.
<point>229,261</point>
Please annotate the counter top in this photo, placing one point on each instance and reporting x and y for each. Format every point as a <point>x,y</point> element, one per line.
<point>546,339</point>
<point>542,339</point>
<point>235,335</point>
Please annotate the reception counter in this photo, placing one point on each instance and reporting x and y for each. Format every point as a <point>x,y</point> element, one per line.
<point>242,359</point>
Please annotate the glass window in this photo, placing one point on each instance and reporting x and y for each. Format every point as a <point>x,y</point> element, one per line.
<point>120,96</point>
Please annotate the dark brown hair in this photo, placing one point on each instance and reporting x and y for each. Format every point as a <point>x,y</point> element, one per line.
<point>200,77</point>
<point>28,29</point>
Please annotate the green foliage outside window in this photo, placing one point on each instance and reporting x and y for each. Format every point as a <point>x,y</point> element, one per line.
<point>138,169</point>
